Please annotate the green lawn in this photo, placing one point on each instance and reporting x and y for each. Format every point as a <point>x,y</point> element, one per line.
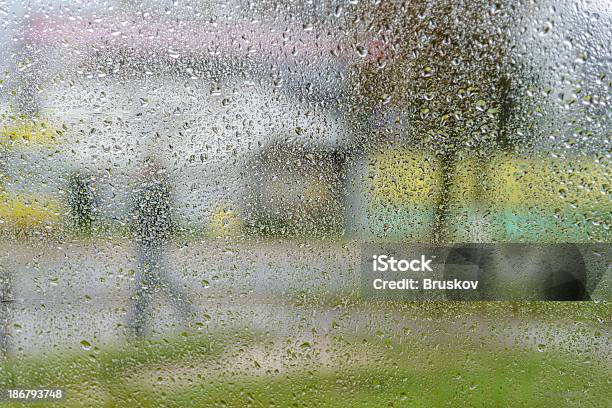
<point>344,369</point>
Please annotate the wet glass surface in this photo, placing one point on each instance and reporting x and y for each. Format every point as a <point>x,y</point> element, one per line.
<point>188,188</point>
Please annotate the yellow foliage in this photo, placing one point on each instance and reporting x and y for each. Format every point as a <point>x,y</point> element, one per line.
<point>22,213</point>
<point>226,221</point>
<point>403,176</point>
<point>27,131</point>
<point>543,181</point>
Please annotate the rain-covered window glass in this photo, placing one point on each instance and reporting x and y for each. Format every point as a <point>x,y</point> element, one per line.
<point>305,203</point>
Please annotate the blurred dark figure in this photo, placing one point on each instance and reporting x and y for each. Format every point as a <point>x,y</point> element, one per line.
<point>153,227</point>
<point>82,202</point>
<point>6,300</point>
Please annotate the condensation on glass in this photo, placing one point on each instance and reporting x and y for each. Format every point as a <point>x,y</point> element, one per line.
<point>186,188</point>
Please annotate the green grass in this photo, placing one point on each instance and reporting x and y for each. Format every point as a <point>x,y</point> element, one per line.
<point>472,379</point>
<point>588,311</point>
<point>385,369</point>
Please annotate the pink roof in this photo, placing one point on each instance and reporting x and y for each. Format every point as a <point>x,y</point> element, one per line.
<point>249,40</point>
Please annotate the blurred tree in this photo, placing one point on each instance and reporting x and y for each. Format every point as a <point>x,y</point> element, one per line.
<point>81,201</point>
<point>440,72</point>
